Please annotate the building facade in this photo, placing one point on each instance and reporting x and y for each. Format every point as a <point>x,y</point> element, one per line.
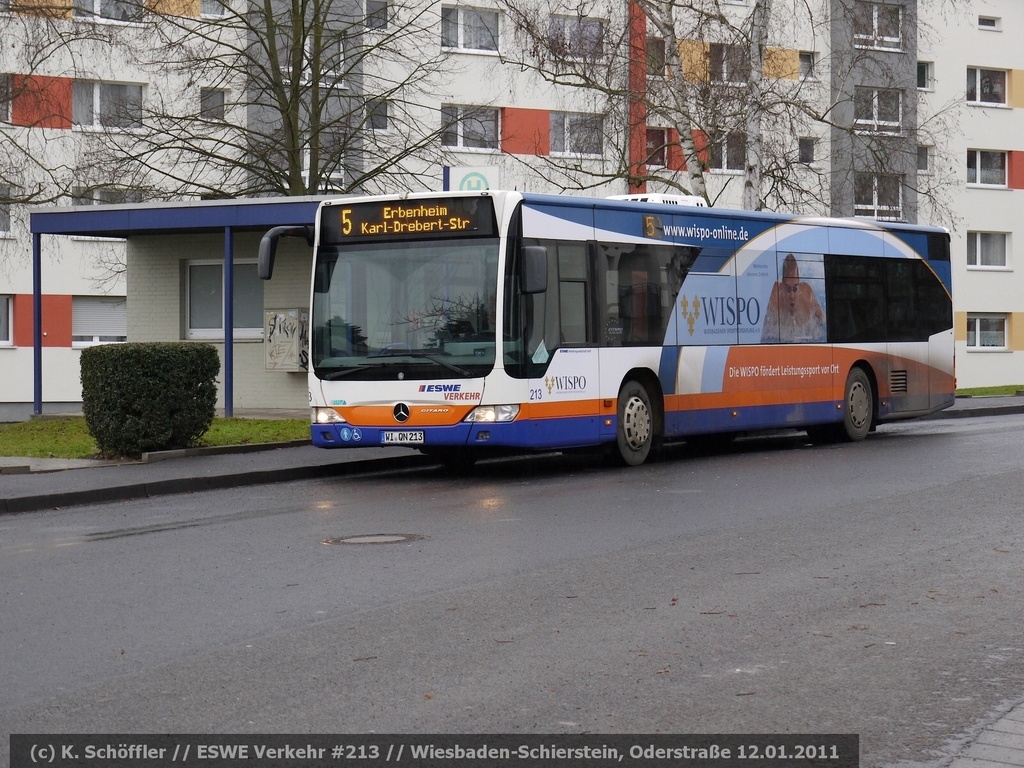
<point>893,109</point>
<point>971,70</point>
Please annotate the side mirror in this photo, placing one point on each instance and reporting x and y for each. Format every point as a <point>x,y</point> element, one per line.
<point>268,246</point>
<point>533,274</point>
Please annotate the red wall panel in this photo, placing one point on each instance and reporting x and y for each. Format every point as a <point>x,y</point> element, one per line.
<point>525,131</point>
<point>1015,170</point>
<point>41,102</point>
<point>56,320</point>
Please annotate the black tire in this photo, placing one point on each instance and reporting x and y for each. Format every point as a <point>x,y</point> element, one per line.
<point>635,436</point>
<point>858,406</point>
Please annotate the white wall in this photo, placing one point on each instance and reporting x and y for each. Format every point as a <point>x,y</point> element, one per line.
<point>156,308</point>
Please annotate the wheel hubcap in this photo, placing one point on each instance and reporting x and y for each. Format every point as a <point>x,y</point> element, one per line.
<point>636,423</point>
<point>860,405</point>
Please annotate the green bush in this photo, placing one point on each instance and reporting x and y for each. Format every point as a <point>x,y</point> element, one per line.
<point>148,396</point>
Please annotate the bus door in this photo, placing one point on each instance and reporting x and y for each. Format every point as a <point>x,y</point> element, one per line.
<point>559,335</point>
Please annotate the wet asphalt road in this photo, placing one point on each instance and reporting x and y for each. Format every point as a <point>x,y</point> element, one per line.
<point>873,588</point>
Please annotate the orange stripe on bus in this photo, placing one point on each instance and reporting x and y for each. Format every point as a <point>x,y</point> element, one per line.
<point>434,415</point>
<point>557,409</point>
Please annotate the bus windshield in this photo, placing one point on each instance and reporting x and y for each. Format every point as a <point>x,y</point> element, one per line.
<point>418,309</point>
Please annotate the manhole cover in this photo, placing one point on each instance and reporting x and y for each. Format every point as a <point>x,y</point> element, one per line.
<point>376,538</point>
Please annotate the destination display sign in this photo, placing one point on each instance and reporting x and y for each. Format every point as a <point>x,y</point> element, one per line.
<point>443,217</point>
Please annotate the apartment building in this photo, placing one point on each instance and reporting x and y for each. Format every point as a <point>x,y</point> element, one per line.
<point>892,109</point>
<point>971,70</point>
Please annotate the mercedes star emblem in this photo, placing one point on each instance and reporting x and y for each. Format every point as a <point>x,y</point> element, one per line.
<point>401,413</point>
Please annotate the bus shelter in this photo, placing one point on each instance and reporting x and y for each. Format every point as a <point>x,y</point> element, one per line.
<point>181,221</point>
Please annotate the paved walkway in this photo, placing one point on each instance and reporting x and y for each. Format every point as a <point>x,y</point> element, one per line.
<point>999,745</point>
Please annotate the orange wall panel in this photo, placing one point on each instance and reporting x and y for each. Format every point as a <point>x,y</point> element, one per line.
<point>525,131</point>
<point>41,102</point>
<point>56,320</point>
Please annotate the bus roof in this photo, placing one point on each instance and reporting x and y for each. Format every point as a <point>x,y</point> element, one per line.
<point>654,202</point>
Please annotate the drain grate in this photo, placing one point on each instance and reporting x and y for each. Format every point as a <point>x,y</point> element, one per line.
<point>376,538</point>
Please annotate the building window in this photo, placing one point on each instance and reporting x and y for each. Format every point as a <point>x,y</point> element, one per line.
<point>212,8</point>
<point>990,23</point>
<point>576,37</point>
<point>657,147</point>
<point>729,154</point>
<point>106,105</point>
<point>878,195</point>
<point>98,320</point>
<point>728,64</point>
<point>878,110</point>
<point>6,313</point>
<point>876,25</point>
<point>211,104</point>
<point>807,61</point>
<point>377,15</point>
<point>205,300</point>
<point>924,158</point>
<point>377,115</point>
<point>6,96</point>
<point>986,331</point>
<point>106,196</point>
<point>986,249</point>
<point>326,70</point>
<point>986,86</point>
<point>806,149</point>
<point>115,10</point>
<point>469,127</point>
<point>925,76</point>
<point>986,168</point>
<point>5,211</point>
<point>576,133</point>
<point>469,29</point>
<point>657,58</point>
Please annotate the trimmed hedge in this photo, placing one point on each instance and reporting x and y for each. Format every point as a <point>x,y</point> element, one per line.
<point>142,397</point>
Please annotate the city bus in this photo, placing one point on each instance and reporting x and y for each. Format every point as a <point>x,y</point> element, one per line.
<point>465,324</point>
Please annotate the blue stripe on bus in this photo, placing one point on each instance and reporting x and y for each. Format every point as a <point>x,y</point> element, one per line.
<point>579,431</point>
<point>565,432</point>
<point>667,369</point>
<point>745,418</point>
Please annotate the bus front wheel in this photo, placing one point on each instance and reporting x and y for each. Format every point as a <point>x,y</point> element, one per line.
<point>859,406</point>
<point>634,435</point>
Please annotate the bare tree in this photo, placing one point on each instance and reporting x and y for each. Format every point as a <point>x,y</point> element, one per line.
<point>756,91</point>
<point>279,97</point>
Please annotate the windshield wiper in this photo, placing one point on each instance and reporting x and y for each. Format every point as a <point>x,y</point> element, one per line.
<point>343,372</point>
<point>439,361</point>
<point>340,374</point>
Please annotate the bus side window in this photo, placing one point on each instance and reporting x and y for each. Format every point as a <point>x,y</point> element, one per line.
<point>573,294</point>
<point>640,284</point>
<point>857,310</point>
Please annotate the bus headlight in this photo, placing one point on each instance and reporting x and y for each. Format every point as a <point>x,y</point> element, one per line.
<point>325,416</point>
<point>493,413</point>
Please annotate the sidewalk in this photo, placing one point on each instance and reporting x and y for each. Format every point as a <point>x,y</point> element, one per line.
<point>28,484</point>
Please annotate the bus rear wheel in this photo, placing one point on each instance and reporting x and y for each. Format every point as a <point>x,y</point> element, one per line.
<point>859,406</point>
<point>635,436</point>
